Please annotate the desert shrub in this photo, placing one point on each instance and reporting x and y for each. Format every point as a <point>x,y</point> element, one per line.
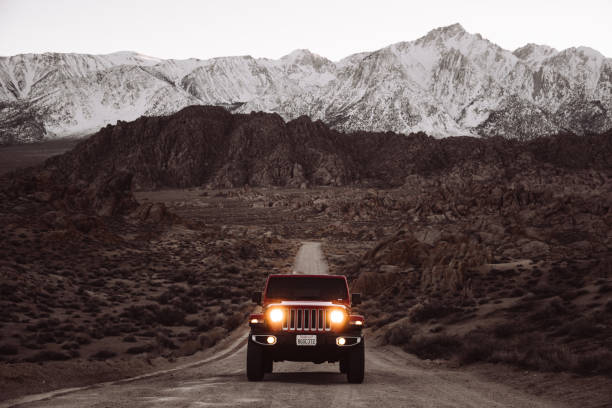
<point>476,347</point>
<point>70,346</point>
<point>192,322</point>
<point>166,342</point>
<point>8,349</point>
<point>211,338</point>
<point>547,357</point>
<point>400,334</point>
<point>429,311</point>
<point>103,355</point>
<point>143,348</point>
<point>584,328</point>
<point>188,306</point>
<point>170,316</point>
<point>218,292</point>
<point>233,321</point>
<point>605,288</point>
<point>82,339</point>
<point>189,347</point>
<point>48,355</point>
<point>506,330</point>
<point>595,362</point>
<point>431,347</point>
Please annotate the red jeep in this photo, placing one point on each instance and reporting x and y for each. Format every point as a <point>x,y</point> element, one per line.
<point>306,318</point>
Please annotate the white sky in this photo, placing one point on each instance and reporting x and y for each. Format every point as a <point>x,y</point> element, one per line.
<point>273,28</point>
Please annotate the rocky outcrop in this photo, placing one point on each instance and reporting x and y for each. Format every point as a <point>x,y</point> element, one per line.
<point>209,146</point>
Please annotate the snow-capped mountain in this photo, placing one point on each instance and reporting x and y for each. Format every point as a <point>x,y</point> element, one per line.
<point>447,83</point>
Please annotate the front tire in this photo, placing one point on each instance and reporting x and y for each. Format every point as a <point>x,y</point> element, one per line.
<point>343,365</point>
<point>268,365</point>
<point>356,364</point>
<point>255,362</point>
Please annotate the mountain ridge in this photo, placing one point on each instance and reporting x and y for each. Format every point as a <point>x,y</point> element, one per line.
<point>209,146</point>
<point>446,83</point>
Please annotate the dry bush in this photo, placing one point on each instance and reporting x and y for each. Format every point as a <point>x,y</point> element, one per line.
<point>399,334</point>
<point>48,355</point>
<point>432,347</point>
<point>211,338</point>
<point>431,310</point>
<point>170,316</point>
<point>233,321</point>
<point>143,348</point>
<point>103,355</point>
<point>8,349</point>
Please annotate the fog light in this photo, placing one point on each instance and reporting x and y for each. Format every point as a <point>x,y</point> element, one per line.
<point>341,341</point>
<point>271,340</point>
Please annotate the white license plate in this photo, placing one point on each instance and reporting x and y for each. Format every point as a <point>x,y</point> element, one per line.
<point>306,339</point>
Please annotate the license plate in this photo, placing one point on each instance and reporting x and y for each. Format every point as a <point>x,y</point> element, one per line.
<point>306,339</point>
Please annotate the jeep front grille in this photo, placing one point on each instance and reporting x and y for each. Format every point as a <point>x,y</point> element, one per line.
<point>313,320</point>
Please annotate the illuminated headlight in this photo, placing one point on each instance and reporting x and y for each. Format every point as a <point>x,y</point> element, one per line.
<point>341,341</point>
<point>271,340</point>
<point>254,321</point>
<point>357,322</point>
<point>276,315</point>
<point>337,316</point>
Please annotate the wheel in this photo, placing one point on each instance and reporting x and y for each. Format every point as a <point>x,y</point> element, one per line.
<point>343,363</point>
<point>356,364</point>
<point>255,362</point>
<point>268,365</point>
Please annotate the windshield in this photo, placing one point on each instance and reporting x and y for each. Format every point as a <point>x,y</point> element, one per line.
<point>306,288</point>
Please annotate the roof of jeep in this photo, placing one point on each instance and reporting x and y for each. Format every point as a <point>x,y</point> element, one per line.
<point>306,276</point>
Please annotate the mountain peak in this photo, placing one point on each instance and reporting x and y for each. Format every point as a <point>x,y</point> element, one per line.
<point>306,57</point>
<point>443,33</point>
<point>534,53</point>
<point>448,31</point>
<point>299,54</point>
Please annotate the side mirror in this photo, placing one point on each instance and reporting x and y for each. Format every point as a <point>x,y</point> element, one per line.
<point>355,299</point>
<point>256,297</point>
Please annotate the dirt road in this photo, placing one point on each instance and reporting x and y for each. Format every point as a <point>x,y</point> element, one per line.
<point>393,379</point>
<point>310,260</point>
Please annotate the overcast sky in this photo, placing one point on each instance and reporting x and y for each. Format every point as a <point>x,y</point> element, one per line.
<point>271,28</point>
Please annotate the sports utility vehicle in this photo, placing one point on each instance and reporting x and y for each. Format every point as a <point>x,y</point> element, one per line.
<point>306,318</point>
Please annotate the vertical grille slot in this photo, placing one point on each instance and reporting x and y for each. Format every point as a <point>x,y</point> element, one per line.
<point>286,320</point>
<point>327,321</point>
<point>313,319</point>
<point>292,325</point>
<point>320,319</point>
<point>306,319</point>
<point>300,319</point>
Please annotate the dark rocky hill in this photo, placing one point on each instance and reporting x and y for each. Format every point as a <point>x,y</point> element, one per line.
<point>207,145</point>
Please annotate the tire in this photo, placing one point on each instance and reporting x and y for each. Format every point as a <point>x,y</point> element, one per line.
<point>356,364</point>
<point>255,362</point>
<point>343,365</point>
<point>268,365</point>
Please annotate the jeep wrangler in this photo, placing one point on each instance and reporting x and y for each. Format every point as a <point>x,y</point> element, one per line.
<point>306,318</point>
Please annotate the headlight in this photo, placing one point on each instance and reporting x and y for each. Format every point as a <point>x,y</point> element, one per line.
<point>337,316</point>
<point>276,315</point>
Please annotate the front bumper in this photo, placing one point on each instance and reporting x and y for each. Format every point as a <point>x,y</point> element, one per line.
<point>326,349</point>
